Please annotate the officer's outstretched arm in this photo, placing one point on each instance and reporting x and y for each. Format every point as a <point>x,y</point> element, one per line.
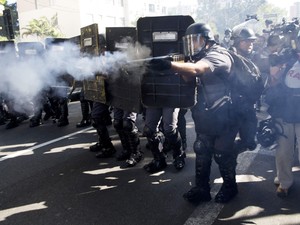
<point>190,70</point>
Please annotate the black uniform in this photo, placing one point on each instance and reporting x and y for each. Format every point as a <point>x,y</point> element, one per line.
<point>125,125</point>
<point>101,119</point>
<point>86,109</point>
<point>245,106</point>
<point>215,126</point>
<point>219,143</point>
<point>162,142</point>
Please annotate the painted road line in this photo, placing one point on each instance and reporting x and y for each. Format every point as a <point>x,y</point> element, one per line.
<point>206,213</point>
<point>28,150</point>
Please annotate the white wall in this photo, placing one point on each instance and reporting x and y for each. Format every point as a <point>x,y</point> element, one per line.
<point>75,14</point>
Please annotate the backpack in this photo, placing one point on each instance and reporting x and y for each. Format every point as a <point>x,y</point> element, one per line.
<point>245,78</point>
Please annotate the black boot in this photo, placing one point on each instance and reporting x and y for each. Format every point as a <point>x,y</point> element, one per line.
<point>63,119</point>
<point>16,119</point>
<point>36,120</point>
<point>136,155</point>
<point>159,161</point>
<point>227,165</point>
<point>2,121</point>
<point>157,164</point>
<point>201,192</point>
<point>62,122</point>
<point>227,192</point>
<point>13,122</point>
<point>96,147</point>
<point>22,117</point>
<point>179,160</point>
<point>83,123</point>
<point>86,120</point>
<point>108,150</point>
<point>125,153</point>
<point>178,154</point>
<point>2,117</point>
<point>48,111</point>
<point>197,194</point>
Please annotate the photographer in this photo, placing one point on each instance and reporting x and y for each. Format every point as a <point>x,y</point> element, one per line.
<point>283,98</point>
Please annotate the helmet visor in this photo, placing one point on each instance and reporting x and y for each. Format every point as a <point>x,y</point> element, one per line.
<point>193,44</point>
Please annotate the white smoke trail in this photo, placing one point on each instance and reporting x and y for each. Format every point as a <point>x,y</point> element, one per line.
<point>22,80</point>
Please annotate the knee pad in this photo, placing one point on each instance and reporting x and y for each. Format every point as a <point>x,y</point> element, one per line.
<point>173,137</point>
<point>128,125</point>
<point>118,124</point>
<point>225,159</point>
<point>201,148</point>
<point>147,132</point>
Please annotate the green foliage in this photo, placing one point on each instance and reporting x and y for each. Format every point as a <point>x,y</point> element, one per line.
<point>2,2</point>
<point>42,28</point>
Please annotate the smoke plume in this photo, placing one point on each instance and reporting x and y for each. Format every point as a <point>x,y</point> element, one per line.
<point>22,79</point>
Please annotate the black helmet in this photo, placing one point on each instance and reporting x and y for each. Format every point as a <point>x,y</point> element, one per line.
<point>274,40</point>
<point>228,32</point>
<point>191,40</point>
<point>268,132</point>
<point>200,28</point>
<point>243,34</point>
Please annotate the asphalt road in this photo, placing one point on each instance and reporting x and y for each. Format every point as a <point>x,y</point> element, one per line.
<point>49,177</point>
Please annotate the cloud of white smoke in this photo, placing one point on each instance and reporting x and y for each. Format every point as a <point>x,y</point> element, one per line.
<point>22,79</point>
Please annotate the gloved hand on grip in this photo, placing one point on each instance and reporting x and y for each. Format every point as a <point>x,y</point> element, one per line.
<point>160,64</point>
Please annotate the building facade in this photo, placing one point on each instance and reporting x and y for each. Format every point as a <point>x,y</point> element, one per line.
<point>295,10</point>
<point>74,14</point>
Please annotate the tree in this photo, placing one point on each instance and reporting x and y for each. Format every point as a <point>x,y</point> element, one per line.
<point>2,2</point>
<point>234,12</point>
<point>42,28</point>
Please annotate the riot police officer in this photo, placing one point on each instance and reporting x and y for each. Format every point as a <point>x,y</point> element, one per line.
<point>212,65</point>
<point>243,42</point>
<point>32,54</point>
<point>86,108</point>
<point>101,119</point>
<point>16,111</point>
<point>226,42</point>
<point>58,95</point>
<point>124,124</point>
<point>155,137</point>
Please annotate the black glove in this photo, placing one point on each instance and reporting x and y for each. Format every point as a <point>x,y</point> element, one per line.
<point>160,64</point>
